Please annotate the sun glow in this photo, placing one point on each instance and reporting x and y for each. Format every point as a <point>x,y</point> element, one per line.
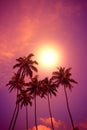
<point>48,56</point>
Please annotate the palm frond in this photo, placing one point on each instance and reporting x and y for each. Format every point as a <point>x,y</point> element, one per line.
<point>55,73</point>
<point>30,55</point>
<point>16,65</point>
<point>68,70</point>
<point>34,68</point>
<point>20,59</point>
<point>35,62</point>
<point>73,81</point>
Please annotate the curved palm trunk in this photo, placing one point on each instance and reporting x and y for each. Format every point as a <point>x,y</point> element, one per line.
<point>16,117</point>
<point>16,113</point>
<point>50,112</point>
<point>35,113</point>
<point>69,108</point>
<point>26,118</point>
<point>13,117</point>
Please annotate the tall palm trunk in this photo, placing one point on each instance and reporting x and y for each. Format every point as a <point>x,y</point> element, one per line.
<point>50,112</point>
<point>13,117</point>
<point>16,113</point>
<point>69,108</point>
<point>26,118</point>
<point>35,113</point>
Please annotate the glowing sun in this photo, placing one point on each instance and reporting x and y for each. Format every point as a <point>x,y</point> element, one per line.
<point>48,56</point>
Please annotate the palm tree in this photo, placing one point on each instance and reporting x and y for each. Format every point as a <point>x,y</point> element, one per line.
<point>26,66</point>
<point>24,98</point>
<point>34,90</point>
<point>63,77</point>
<point>48,88</point>
<point>16,83</point>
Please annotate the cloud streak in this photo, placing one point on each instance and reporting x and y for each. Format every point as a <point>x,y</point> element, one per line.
<point>47,122</point>
<point>41,127</point>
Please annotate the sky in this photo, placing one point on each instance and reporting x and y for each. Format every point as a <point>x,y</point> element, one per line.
<point>27,25</point>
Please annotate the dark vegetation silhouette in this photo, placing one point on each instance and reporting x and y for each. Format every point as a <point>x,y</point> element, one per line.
<point>47,90</point>
<point>16,83</point>
<point>24,98</point>
<point>25,67</point>
<point>34,90</point>
<point>63,77</point>
<point>28,86</point>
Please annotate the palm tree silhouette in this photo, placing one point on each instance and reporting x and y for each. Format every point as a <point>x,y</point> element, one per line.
<point>48,88</point>
<point>16,83</point>
<point>63,77</point>
<point>24,98</point>
<point>34,89</point>
<point>26,66</point>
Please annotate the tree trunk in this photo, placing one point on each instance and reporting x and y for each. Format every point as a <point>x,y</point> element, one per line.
<point>13,117</point>
<point>16,117</point>
<point>35,113</point>
<point>26,118</point>
<point>17,109</point>
<point>50,112</point>
<point>69,108</point>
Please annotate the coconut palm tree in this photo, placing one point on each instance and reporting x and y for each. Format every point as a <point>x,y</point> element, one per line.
<point>25,65</point>
<point>34,90</point>
<point>24,98</point>
<point>48,89</point>
<point>63,77</point>
<point>16,83</point>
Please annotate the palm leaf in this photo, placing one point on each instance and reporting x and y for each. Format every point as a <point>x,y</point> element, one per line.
<point>68,69</point>
<point>55,73</point>
<point>35,62</point>
<point>73,81</point>
<point>34,68</point>
<point>16,65</point>
<point>30,55</point>
<point>20,59</point>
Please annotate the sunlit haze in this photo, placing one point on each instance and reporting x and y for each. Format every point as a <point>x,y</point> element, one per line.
<point>49,56</point>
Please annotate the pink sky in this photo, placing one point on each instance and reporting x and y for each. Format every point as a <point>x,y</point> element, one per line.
<point>23,25</point>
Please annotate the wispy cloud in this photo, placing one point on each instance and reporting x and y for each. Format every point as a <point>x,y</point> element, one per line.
<point>57,123</point>
<point>7,54</point>
<point>40,127</point>
<point>46,124</point>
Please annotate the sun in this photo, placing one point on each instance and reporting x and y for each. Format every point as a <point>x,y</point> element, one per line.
<point>48,56</point>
